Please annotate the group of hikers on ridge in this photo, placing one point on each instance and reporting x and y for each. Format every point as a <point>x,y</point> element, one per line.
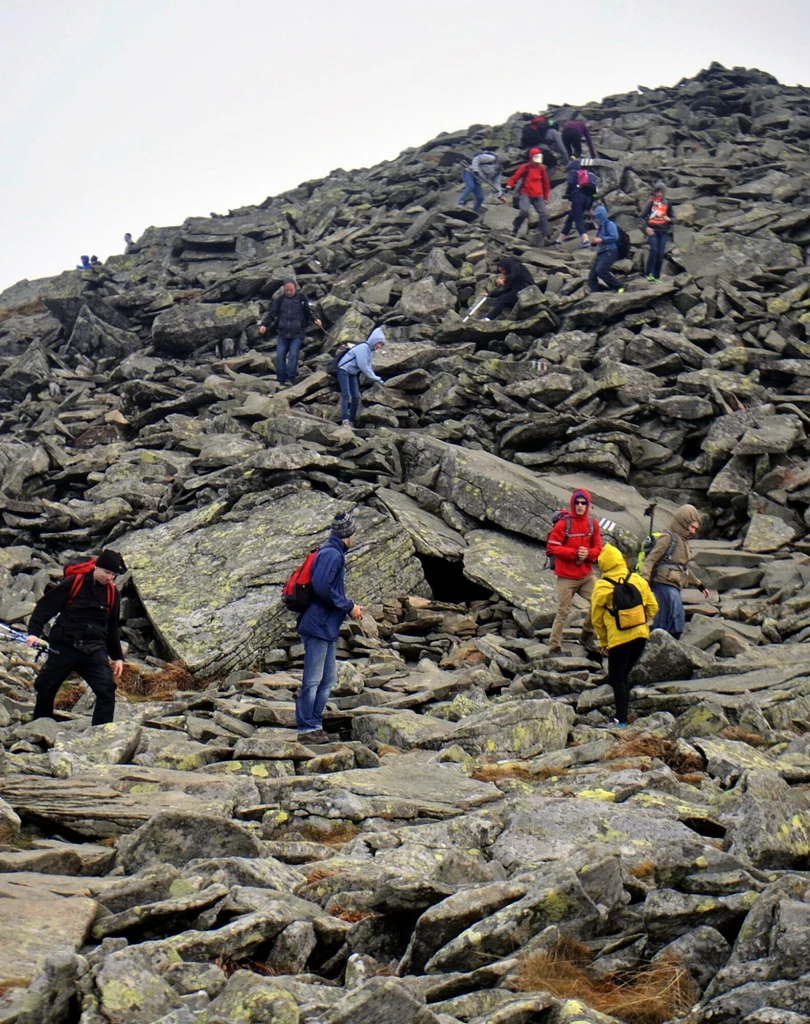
<point>623,606</point>
<point>544,143</point>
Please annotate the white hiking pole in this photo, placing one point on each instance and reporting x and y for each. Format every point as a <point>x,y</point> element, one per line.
<point>475,308</point>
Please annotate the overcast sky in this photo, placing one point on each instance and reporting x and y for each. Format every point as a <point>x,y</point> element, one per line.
<point>118,114</point>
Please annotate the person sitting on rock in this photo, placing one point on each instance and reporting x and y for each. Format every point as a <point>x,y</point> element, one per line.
<point>485,168</point>
<point>85,263</point>
<point>573,133</point>
<point>657,216</point>
<point>512,278</point>
<point>95,261</point>
<point>666,568</point>
<point>581,198</point>
<point>607,252</point>
<point>541,132</point>
<point>534,191</point>
<point>292,312</point>
<point>356,361</point>
<point>85,635</point>
<point>319,627</point>
<point>623,643</point>
<point>574,543</point>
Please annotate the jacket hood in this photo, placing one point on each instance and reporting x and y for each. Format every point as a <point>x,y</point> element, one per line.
<point>685,515</point>
<point>600,215</point>
<point>535,121</point>
<point>509,266</point>
<point>375,338</point>
<point>580,492</point>
<point>534,151</point>
<point>611,563</point>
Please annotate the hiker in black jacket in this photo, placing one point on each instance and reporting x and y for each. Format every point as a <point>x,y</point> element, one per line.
<point>292,313</point>
<point>85,635</point>
<point>513,278</point>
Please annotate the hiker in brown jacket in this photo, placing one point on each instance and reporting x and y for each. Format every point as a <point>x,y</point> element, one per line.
<point>666,569</point>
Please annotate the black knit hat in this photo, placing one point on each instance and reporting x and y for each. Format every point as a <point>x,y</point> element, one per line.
<point>343,525</point>
<point>111,561</point>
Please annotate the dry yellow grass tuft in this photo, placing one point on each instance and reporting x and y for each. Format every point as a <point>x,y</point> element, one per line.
<point>654,994</point>
<point>339,834</point>
<point>26,309</point>
<point>160,685</point>
<point>642,869</point>
<point>511,770</point>
<point>656,746</point>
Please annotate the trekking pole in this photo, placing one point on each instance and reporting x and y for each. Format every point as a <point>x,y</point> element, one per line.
<point>17,636</point>
<point>475,308</point>
<point>649,513</point>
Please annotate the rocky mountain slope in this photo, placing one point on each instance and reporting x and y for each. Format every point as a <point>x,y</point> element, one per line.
<point>479,847</point>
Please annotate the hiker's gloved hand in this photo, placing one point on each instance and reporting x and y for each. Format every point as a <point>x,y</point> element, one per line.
<point>705,593</point>
<point>32,641</point>
<point>117,669</point>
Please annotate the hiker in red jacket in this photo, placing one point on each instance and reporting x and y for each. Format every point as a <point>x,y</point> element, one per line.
<point>574,543</point>
<point>534,191</point>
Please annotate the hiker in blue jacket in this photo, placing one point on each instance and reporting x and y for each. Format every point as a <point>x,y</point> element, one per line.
<point>581,200</point>
<point>607,252</point>
<point>319,627</point>
<point>356,361</point>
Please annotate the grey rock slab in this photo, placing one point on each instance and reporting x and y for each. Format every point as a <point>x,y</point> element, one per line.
<point>113,743</point>
<point>381,1001</point>
<point>430,534</point>
<point>712,255</point>
<point>211,584</point>
<point>251,999</point>
<point>515,569</point>
<point>155,919</point>
<point>131,993</point>
<point>182,330</point>
<point>51,857</point>
<point>523,728</point>
<point>32,929</point>
<point>51,995</point>
<point>172,837</point>
<point>122,799</point>
<point>767,533</point>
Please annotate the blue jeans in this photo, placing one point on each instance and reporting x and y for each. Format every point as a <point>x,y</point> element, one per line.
<point>471,188</point>
<point>349,394</point>
<point>655,259</point>
<point>600,271</point>
<point>580,202</point>
<point>320,675</point>
<point>287,350</point>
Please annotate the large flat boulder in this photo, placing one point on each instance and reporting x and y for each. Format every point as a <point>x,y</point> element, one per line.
<point>211,582</point>
<point>31,929</point>
<point>181,330</point>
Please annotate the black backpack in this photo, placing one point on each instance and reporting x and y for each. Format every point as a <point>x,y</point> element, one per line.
<point>623,247</point>
<point>332,366</point>
<point>628,604</point>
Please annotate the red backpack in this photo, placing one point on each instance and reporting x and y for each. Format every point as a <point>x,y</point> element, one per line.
<point>297,591</point>
<point>77,573</point>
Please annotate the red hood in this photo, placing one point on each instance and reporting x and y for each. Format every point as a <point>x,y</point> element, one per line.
<point>535,121</point>
<point>533,152</point>
<point>580,490</point>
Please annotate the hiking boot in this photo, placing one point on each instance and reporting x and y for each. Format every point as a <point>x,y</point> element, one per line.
<point>555,652</point>
<point>584,245</point>
<point>656,280</point>
<point>619,291</point>
<point>650,277</point>
<point>317,736</point>
<point>346,423</point>
<point>616,724</point>
<point>595,656</point>
<point>557,244</point>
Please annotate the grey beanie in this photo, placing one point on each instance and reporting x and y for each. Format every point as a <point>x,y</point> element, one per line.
<point>660,187</point>
<point>343,525</point>
<point>289,280</point>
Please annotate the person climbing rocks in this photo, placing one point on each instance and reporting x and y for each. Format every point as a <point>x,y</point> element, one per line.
<point>657,218</point>
<point>622,642</point>
<point>356,361</point>
<point>95,261</point>
<point>666,569</point>
<point>292,311</point>
<point>574,543</point>
<point>542,132</point>
<point>580,194</point>
<point>319,626</point>
<point>512,278</point>
<point>85,635</point>
<point>607,252</point>
<point>84,264</point>
<point>573,133</point>
<point>534,191</point>
<point>127,239</point>
<point>484,169</point>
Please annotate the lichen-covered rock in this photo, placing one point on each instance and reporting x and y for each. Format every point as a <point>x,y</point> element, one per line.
<point>176,838</point>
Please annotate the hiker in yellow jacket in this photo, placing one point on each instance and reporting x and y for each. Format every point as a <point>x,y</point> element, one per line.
<point>621,632</point>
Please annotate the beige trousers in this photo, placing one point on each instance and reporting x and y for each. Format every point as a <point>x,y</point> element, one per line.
<point>565,596</point>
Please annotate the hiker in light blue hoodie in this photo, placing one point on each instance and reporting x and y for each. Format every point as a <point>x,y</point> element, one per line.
<point>356,361</point>
<point>607,252</point>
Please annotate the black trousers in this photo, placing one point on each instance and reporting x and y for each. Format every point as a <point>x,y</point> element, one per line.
<point>621,660</point>
<point>93,668</point>
<point>572,141</point>
<point>504,302</point>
